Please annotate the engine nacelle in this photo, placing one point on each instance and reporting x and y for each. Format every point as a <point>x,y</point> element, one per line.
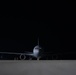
<point>22,57</point>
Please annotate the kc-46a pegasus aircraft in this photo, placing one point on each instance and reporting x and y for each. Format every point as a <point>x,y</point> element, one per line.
<point>36,52</point>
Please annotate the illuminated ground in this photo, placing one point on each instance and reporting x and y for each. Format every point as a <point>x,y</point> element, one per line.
<point>30,67</point>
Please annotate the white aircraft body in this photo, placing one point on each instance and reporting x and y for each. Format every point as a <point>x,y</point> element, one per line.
<point>35,53</point>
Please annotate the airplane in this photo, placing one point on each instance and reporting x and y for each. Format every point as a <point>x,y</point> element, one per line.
<point>22,56</point>
<point>37,53</point>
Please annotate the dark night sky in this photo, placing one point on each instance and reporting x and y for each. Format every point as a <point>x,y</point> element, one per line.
<point>53,23</point>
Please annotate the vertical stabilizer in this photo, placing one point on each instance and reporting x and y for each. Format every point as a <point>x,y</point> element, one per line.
<point>38,41</point>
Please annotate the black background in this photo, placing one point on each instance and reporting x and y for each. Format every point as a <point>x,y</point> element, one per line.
<point>53,22</point>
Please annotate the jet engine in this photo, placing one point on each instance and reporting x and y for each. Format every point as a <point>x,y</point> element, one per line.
<point>22,57</point>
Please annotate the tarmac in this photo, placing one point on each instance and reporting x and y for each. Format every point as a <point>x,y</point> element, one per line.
<point>37,67</point>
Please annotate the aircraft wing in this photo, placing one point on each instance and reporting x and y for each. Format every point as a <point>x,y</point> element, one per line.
<point>56,55</point>
<point>26,53</point>
<point>11,53</point>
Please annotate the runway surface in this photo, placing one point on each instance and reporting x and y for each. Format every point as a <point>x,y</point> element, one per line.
<point>41,67</point>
